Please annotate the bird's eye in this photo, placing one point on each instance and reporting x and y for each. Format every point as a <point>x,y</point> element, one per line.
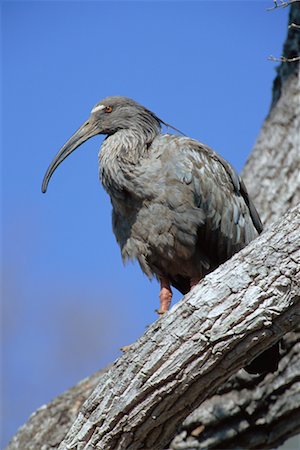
<point>108,109</point>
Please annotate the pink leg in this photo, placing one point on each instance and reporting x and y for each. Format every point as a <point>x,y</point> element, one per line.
<point>165,296</point>
<point>194,282</point>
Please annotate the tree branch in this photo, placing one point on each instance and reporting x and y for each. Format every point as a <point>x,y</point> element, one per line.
<point>283,59</point>
<point>294,25</point>
<point>234,314</point>
<point>227,418</point>
<point>281,4</point>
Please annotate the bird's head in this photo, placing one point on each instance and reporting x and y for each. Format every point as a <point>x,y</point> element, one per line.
<point>110,115</point>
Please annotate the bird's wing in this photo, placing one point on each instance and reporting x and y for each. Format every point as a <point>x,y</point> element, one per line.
<point>228,219</point>
<point>240,189</point>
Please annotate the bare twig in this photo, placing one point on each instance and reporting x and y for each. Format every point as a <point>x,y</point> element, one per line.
<point>294,25</point>
<point>281,4</point>
<point>283,59</point>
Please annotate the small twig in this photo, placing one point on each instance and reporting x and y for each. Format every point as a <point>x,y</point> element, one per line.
<point>281,4</point>
<point>283,59</point>
<point>294,25</point>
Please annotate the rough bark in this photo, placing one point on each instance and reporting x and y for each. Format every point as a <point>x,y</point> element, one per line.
<point>275,159</point>
<point>185,356</point>
<point>201,361</point>
<point>249,412</point>
<point>227,320</point>
<point>210,352</point>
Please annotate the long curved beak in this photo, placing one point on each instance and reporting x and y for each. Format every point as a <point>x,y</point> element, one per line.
<point>85,132</point>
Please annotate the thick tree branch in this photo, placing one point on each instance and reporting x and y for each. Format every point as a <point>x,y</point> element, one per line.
<point>188,354</point>
<point>229,318</point>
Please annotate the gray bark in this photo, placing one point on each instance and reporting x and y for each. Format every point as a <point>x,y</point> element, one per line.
<point>245,306</point>
<point>184,366</point>
<point>228,319</point>
<point>249,412</point>
<point>275,159</point>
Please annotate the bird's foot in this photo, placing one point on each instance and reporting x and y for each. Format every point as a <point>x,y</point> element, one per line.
<point>165,296</point>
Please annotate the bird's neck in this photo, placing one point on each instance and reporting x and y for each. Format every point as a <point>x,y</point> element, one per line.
<point>130,145</point>
<point>119,154</point>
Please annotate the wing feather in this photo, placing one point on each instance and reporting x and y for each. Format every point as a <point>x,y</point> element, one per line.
<point>231,220</point>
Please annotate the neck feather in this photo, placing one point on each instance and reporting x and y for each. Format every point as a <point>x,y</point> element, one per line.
<point>119,152</point>
<point>129,145</point>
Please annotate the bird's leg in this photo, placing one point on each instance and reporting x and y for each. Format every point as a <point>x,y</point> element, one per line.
<point>165,296</point>
<point>194,282</point>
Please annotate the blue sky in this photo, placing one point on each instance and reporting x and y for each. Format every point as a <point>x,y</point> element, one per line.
<point>68,303</point>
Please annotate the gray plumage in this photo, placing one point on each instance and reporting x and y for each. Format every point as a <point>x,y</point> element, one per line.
<point>179,208</point>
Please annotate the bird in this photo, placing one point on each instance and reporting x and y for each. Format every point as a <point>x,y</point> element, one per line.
<point>178,207</point>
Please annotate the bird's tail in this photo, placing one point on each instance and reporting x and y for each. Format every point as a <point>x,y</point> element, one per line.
<point>266,362</point>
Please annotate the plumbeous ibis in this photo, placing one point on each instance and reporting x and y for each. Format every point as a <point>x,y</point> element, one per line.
<point>178,207</point>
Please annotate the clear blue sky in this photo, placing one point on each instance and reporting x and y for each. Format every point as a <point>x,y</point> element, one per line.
<point>69,304</point>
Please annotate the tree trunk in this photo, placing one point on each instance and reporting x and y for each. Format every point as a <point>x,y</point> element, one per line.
<point>217,329</point>
<point>275,159</point>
